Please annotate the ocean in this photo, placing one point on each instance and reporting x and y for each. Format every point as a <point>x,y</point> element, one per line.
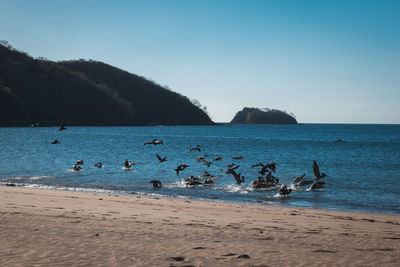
<point>363,170</point>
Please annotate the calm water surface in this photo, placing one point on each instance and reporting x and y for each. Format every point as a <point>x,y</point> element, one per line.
<point>364,170</point>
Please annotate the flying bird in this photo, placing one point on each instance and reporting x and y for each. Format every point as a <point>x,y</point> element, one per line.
<point>196,148</point>
<point>317,174</point>
<point>160,159</point>
<point>154,142</point>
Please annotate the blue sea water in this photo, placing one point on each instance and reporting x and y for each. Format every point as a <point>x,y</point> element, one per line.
<point>363,170</point>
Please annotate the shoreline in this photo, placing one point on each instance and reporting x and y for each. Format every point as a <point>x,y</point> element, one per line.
<point>155,194</point>
<point>56,227</point>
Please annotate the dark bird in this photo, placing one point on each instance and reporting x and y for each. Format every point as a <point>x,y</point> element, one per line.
<point>218,158</point>
<point>231,170</point>
<point>76,167</point>
<point>284,191</point>
<point>98,165</point>
<point>271,180</point>
<point>180,168</point>
<point>207,163</point>
<point>192,181</point>
<point>239,157</point>
<point>154,142</point>
<point>316,185</point>
<point>209,181</point>
<point>317,174</point>
<point>62,127</point>
<point>299,181</point>
<point>257,165</point>
<point>230,165</point>
<point>260,183</point>
<point>36,124</point>
<point>79,162</point>
<point>205,175</point>
<point>160,159</point>
<point>239,179</point>
<point>200,159</point>
<point>156,183</point>
<point>196,148</point>
<point>271,166</point>
<point>339,141</point>
<point>128,164</point>
<point>55,142</point>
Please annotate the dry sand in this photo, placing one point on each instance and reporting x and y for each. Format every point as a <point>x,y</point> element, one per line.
<point>60,228</point>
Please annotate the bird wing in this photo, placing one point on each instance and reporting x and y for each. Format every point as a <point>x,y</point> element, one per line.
<point>316,170</point>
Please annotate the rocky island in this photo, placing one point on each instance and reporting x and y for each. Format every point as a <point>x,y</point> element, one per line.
<point>265,116</point>
<point>85,92</point>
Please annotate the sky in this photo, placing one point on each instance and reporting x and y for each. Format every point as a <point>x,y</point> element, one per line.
<point>326,61</point>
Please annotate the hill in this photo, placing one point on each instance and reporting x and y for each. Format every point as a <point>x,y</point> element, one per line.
<point>85,93</point>
<point>258,116</point>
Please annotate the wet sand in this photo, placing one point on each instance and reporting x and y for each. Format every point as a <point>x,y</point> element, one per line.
<point>59,228</point>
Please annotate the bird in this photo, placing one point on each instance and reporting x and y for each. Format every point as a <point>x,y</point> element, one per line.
<point>271,180</point>
<point>76,167</point>
<point>62,127</point>
<point>154,142</point>
<point>196,148</point>
<point>218,158</point>
<point>316,185</point>
<point>98,165</point>
<point>257,165</point>
<point>230,165</point>
<point>299,181</point>
<point>55,142</point>
<point>239,179</point>
<point>79,162</point>
<point>160,159</point>
<point>200,159</point>
<point>156,183</point>
<point>181,168</point>
<point>284,191</point>
<point>271,166</point>
<point>207,175</point>
<point>128,164</point>
<point>260,183</point>
<point>231,170</point>
<point>208,181</point>
<point>239,157</point>
<point>207,163</point>
<point>192,181</point>
<point>317,174</point>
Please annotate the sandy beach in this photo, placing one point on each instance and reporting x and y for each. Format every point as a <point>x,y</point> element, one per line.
<point>59,228</point>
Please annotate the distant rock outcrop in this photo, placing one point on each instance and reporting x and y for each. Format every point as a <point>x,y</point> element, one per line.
<point>266,116</point>
<point>85,93</point>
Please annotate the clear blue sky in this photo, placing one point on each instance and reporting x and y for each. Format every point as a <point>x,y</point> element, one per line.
<point>325,61</point>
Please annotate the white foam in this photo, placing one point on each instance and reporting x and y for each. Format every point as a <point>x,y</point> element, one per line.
<point>233,188</point>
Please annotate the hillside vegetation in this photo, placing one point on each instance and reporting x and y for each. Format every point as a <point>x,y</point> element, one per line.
<point>85,93</point>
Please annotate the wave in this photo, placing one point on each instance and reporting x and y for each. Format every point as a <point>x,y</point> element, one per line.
<point>22,178</point>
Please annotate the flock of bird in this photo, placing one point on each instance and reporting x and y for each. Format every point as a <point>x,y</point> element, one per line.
<point>265,181</point>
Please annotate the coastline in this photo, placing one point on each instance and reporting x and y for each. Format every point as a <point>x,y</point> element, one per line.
<point>42,227</point>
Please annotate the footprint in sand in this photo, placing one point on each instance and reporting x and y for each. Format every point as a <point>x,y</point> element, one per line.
<point>325,250</point>
<point>177,258</point>
<point>243,256</point>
